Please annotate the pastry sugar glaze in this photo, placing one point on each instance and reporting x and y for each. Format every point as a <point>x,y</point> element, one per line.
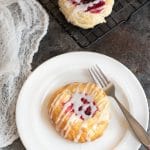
<point>82,105</point>
<point>93,6</point>
<point>79,111</point>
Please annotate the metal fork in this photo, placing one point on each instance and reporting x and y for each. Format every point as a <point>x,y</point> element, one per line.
<point>109,88</point>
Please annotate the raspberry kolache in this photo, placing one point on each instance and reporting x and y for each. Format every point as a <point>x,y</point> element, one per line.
<point>86,13</point>
<point>79,111</point>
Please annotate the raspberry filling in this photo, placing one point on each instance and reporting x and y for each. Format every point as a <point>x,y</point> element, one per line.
<point>82,105</point>
<point>93,6</point>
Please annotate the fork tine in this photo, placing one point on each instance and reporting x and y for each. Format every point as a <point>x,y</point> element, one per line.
<point>100,82</point>
<point>95,78</point>
<point>98,74</point>
<point>102,74</point>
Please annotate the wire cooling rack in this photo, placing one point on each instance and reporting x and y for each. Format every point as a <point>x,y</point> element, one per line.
<point>122,11</point>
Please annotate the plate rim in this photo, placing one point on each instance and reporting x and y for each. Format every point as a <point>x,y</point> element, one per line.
<point>54,58</point>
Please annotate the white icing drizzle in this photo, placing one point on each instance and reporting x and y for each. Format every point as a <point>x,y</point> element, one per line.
<point>60,121</point>
<point>68,4</point>
<point>76,139</point>
<point>78,88</point>
<point>53,104</point>
<point>84,125</point>
<point>67,127</point>
<point>62,112</point>
<point>61,118</point>
<point>91,89</point>
<point>94,94</point>
<point>65,97</point>
<point>76,100</point>
<point>71,119</point>
<point>102,117</point>
<point>86,88</point>
<point>82,6</point>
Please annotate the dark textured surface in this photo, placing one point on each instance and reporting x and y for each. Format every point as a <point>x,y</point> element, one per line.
<point>129,43</point>
<point>122,11</point>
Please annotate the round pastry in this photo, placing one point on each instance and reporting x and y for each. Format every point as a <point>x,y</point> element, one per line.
<point>79,111</point>
<point>86,13</point>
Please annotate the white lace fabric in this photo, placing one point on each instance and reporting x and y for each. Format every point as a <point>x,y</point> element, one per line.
<point>23,23</point>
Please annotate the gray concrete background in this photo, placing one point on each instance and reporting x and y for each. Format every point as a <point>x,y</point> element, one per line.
<point>129,43</point>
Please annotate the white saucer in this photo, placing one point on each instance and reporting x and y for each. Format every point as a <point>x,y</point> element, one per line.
<point>33,125</point>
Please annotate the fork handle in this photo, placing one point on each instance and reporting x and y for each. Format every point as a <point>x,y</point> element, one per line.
<point>138,130</point>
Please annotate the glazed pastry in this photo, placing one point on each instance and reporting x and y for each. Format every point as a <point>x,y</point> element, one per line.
<point>79,111</point>
<point>86,13</point>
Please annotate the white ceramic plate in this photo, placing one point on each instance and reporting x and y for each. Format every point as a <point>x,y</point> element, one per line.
<point>33,125</point>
